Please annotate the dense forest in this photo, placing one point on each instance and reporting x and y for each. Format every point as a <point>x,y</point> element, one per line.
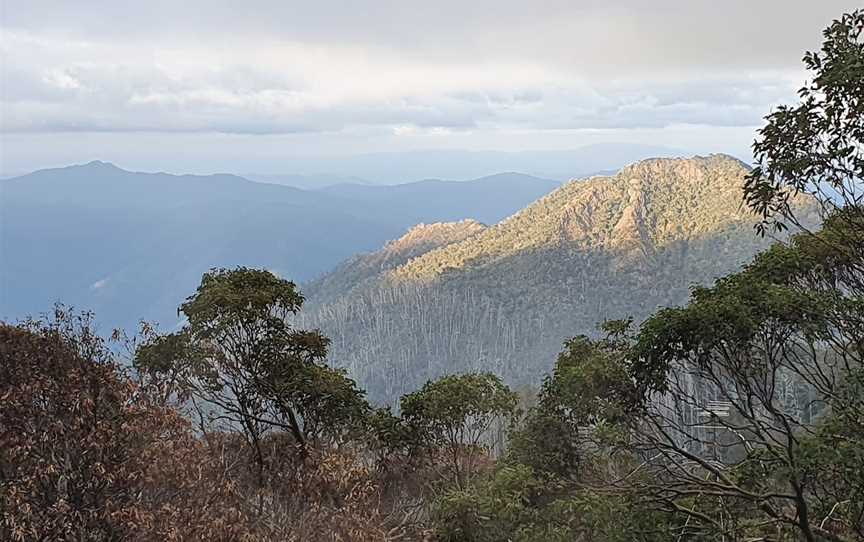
<point>455,296</point>
<point>738,415</point>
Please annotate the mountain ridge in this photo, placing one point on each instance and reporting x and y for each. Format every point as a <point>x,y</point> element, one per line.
<point>360,268</point>
<point>506,298</point>
<point>576,219</point>
<point>132,245</point>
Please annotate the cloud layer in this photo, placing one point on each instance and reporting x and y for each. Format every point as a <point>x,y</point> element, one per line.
<point>410,67</point>
<point>208,85</point>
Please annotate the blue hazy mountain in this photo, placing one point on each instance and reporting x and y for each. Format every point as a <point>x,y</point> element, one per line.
<point>305,182</point>
<point>406,166</point>
<point>487,199</point>
<point>132,245</point>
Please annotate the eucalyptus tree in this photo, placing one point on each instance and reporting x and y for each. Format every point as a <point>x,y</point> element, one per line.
<point>754,425</point>
<point>241,362</point>
<point>757,382</point>
<point>455,414</point>
<point>816,147</point>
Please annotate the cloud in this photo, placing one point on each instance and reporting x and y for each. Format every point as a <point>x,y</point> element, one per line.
<point>56,85</point>
<point>586,34</point>
<point>212,76</point>
<point>99,284</point>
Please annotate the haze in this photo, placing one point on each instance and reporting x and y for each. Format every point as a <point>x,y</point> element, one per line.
<point>285,86</point>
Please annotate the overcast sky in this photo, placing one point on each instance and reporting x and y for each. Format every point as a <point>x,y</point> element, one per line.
<point>219,85</point>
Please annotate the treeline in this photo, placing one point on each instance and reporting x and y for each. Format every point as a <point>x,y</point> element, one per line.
<point>233,428</point>
<point>739,416</point>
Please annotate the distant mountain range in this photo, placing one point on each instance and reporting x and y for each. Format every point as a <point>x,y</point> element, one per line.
<point>492,274</point>
<point>133,245</point>
<point>400,167</point>
<point>305,182</point>
<point>487,199</point>
<point>454,297</point>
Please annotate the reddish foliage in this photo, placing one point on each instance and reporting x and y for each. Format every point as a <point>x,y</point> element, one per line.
<point>87,453</point>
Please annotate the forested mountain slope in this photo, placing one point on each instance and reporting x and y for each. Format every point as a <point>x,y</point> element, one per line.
<point>132,245</point>
<point>363,269</point>
<point>505,298</point>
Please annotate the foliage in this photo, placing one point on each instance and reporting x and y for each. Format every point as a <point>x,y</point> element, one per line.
<point>86,454</point>
<point>89,453</point>
<point>456,413</point>
<point>589,390</point>
<point>778,347</point>
<point>505,298</point>
<point>239,356</point>
<point>815,147</point>
<point>514,504</point>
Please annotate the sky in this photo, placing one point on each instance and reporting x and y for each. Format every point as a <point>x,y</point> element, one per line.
<point>218,85</point>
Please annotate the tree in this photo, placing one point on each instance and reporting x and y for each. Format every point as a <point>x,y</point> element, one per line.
<point>239,358</point>
<point>61,422</point>
<point>589,389</point>
<point>516,503</point>
<point>747,385</point>
<point>87,454</point>
<point>815,147</point>
<point>455,414</point>
<point>754,388</point>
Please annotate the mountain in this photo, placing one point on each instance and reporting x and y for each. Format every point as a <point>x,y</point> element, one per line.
<point>504,298</point>
<point>487,199</point>
<point>132,245</point>
<point>305,182</point>
<point>405,166</point>
<point>356,272</point>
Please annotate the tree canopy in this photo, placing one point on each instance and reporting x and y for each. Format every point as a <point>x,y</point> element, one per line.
<point>241,361</point>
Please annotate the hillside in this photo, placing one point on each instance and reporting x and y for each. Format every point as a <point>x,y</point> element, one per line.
<point>359,270</point>
<point>132,245</point>
<point>487,199</point>
<point>506,298</point>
